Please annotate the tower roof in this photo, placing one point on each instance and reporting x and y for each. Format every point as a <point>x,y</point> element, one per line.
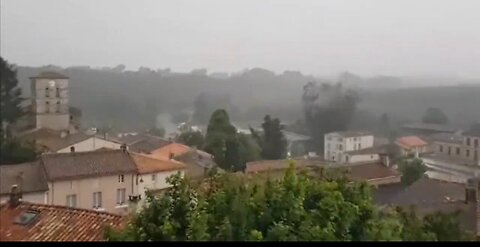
<point>49,75</point>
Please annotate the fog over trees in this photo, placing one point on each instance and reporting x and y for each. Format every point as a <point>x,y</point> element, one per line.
<point>133,99</point>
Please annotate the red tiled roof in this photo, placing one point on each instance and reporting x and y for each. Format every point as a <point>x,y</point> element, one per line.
<point>370,171</point>
<point>176,149</point>
<point>147,164</point>
<point>55,223</point>
<point>411,141</point>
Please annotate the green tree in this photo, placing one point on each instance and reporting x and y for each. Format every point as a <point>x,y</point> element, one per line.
<point>434,116</point>
<point>12,150</point>
<point>412,170</point>
<point>160,132</point>
<point>191,138</point>
<point>249,149</point>
<point>297,207</point>
<point>10,97</point>
<point>271,141</point>
<point>221,141</point>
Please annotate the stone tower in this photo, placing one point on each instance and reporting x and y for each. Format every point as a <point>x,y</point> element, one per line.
<point>50,101</point>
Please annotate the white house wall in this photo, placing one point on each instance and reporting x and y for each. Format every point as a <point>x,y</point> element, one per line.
<point>36,197</point>
<point>91,144</point>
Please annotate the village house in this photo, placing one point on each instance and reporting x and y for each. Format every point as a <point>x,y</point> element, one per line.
<point>375,174</point>
<point>26,221</point>
<point>152,175</point>
<point>51,141</point>
<point>28,177</point>
<point>411,146</point>
<point>99,180</point>
<point>350,147</point>
<point>432,195</point>
<point>197,162</point>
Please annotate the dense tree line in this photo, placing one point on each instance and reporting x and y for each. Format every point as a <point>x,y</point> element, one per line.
<point>12,150</point>
<point>233,207</point>
<point>133,98</point>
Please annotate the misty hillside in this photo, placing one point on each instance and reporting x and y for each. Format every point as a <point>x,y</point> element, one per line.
<point>133,99</point>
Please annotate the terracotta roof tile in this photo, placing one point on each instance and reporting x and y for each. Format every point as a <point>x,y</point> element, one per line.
<point>50,75</point>
<point>55,223</point>
<point>173,148</point>
<point>52,140</point>
<point>64,166</point>
<point>30,177</point>
<point>146,164</point>
<point>411,141</point>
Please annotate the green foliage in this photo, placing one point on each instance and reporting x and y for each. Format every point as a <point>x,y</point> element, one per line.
<point>434,116</point>
<point>14,151</point>
<point>271,141</point>
<point>412,170</point>
<point>10,94</point>
<point>249,149</point>
<point>191,138</point>
<point>160,132</point>
<point>328,108</point>
<point>221,141</point>
<point>227,207</point>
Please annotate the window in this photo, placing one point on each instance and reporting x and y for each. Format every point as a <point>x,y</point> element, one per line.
<point>340,147</point>
<point>359,146</point>
<point>72,201</point>
<point>441,148</point>
<point>97,199</point>
<point>475,143</point>
<point>346,158</point>
<point>457,151</point>
<point>47,92</point>
<point>354,139</point>
<point>449,150</point>
<point>154,177</point>
<point>121,194</point>
<point>468,141</point>
<point>121,178</point>
<point>467,153</point>
<point>340,139</point>
<point>47,106</point>
<point>57,94</point>
<point>58,106</point>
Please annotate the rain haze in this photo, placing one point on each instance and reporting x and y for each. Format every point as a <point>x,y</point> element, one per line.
<point>368,37</point>
<point>243,120</point>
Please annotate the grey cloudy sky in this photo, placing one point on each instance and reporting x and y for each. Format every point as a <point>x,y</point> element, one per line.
<point>395,37</point>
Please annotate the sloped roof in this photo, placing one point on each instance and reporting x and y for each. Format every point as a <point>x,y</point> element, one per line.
<point>177,149</point>
<point>411,141</point>
<point>430,127</point>
<point>146,164</point>
<point>32,177</point>
<point>447,137</point>
<point>366,172</point>
<point>148,145</point>
<point>474,130</point>
<point>352,133</point>
<point>52,140</point>
<point>65,166</point>
<point>50,75</point>
<point>55,223</point>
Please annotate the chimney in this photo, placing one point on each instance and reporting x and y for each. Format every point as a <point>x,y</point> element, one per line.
<point>15,196</point>
<point>72,149</point>
<point>123,147</point>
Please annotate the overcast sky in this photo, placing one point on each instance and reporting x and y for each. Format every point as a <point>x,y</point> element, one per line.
<point>395,37</point>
